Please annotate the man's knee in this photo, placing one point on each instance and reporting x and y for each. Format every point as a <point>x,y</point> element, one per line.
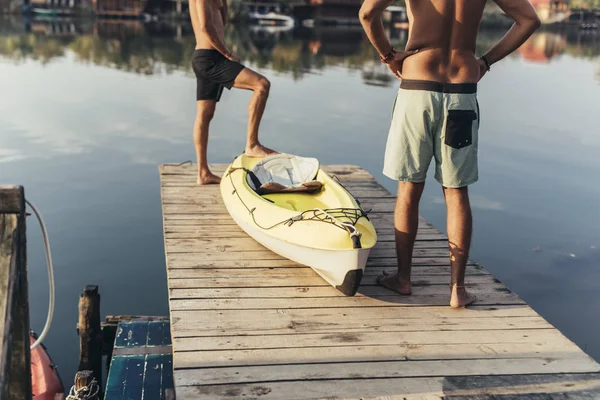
<point>263,86</point>
<point>457,195</point>
<point>410,192</point>
<point>206,112</point>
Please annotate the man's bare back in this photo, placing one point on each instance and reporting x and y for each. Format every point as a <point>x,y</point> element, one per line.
<point>442,37</point>
<point>446,53</point>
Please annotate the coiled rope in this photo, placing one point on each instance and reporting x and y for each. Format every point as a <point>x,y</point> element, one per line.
<point>87,392</point>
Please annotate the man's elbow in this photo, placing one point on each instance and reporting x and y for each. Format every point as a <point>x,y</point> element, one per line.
<point>366,14</point>
<point>535,22</point>
<point>531,21</point>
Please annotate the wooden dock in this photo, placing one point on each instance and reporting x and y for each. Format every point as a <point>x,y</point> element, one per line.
<point>249,324</point>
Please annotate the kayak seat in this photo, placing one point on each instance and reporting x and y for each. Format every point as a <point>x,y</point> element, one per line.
<point>309,187</point>
<point>285,173</point>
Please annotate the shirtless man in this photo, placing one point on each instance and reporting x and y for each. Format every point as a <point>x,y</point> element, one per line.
<point>436,115</point>
<point>216,68</point>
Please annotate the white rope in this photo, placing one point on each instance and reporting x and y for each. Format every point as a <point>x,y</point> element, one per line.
<point>50,277</point>
<point>88,392</point>
<point>351,228</point>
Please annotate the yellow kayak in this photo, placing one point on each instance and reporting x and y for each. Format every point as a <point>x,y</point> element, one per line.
<point>320,225</point>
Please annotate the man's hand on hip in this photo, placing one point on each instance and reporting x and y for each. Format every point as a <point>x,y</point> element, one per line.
<point>395,64</point>
<point>483,68</point>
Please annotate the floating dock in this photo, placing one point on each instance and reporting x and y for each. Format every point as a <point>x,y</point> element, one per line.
<point>247,323</point>
<point>141,361</point>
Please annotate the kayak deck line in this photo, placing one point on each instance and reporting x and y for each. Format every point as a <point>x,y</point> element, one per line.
<point>247,323</point>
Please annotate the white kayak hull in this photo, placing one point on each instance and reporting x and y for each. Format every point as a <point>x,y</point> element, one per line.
<point>343,269</point>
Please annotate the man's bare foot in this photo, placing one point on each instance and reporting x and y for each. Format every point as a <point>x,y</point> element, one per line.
<point>460,297</point>
<point>395,283</point>
<point>207,178</point>
<point>259,151</point>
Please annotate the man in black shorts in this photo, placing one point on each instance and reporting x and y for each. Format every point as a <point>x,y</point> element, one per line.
<point>217,68</point>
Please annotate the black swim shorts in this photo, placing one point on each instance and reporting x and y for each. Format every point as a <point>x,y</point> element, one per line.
<point>213,72</point>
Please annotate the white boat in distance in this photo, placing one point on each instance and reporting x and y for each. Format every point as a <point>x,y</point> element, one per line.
<point>272,19</point>
<point>269,14</point>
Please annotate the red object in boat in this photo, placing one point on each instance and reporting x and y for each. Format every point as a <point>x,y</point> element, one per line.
<point>45,381</point>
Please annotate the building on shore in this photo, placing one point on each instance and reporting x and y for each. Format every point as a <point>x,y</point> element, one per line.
<point>329,12</point>
<point>118,8</point>
<point>10,6</point>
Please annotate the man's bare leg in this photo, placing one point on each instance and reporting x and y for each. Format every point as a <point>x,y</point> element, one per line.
<point>406,225</point>
<point>205,110</point>
<point>250,80</point>
<point>460,228</point>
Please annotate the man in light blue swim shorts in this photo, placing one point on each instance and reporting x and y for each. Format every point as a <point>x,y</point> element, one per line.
<point>436,117</point>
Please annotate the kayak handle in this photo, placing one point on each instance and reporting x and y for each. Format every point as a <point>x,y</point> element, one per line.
<point>356,241</point>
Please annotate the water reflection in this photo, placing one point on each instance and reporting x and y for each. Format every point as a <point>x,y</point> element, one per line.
<point>161,48</point>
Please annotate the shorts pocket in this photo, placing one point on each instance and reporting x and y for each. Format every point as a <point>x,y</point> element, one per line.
<point>459,128</point>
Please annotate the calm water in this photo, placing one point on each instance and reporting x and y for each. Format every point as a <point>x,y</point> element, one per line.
<point>88,111</point>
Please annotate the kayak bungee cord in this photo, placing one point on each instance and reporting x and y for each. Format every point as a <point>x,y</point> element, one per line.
<point>357,213</point>
<point>354,233</point>
<point>50,277</point>
<point>335,178</point>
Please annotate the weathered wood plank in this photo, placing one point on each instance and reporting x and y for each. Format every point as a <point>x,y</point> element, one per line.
<point>141,365</point>
<point>416,300</point>
<point>188,232</point>
<point>192,342</point>
<point>184,260</point>
<point>15,377</point>
<point>12,199</point>
<point>197,325</point>
<point>290,316</point>
<point>317,292</point>
<point>249,244</point>
<point>90,333</point>
<point>191,183</point>
<point>8,295</point>
<point>358,353</point>
<point>258,281</point>
<point>422,275</point>
<point>384,369</point>
<point>506,387</point>
<point>380,220</point>
<point>190,195</point>
<point>382,205</point>
<point>191,169</point>
<point>229,252</point>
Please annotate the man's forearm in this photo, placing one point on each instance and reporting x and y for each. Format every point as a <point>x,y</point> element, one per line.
<point>370,18</point>
<point>514,38</point>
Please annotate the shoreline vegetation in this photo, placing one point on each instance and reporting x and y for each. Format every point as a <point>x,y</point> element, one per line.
<point>163,10</point>
<point>163,48</point>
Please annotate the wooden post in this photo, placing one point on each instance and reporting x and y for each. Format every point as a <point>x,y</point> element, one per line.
<point>90,333</point>
<point>15,356</point>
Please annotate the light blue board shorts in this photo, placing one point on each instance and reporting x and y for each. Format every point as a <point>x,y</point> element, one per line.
<point>434,120</point>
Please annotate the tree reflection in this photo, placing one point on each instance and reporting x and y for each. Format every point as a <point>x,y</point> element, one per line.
<point>161,48</point>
